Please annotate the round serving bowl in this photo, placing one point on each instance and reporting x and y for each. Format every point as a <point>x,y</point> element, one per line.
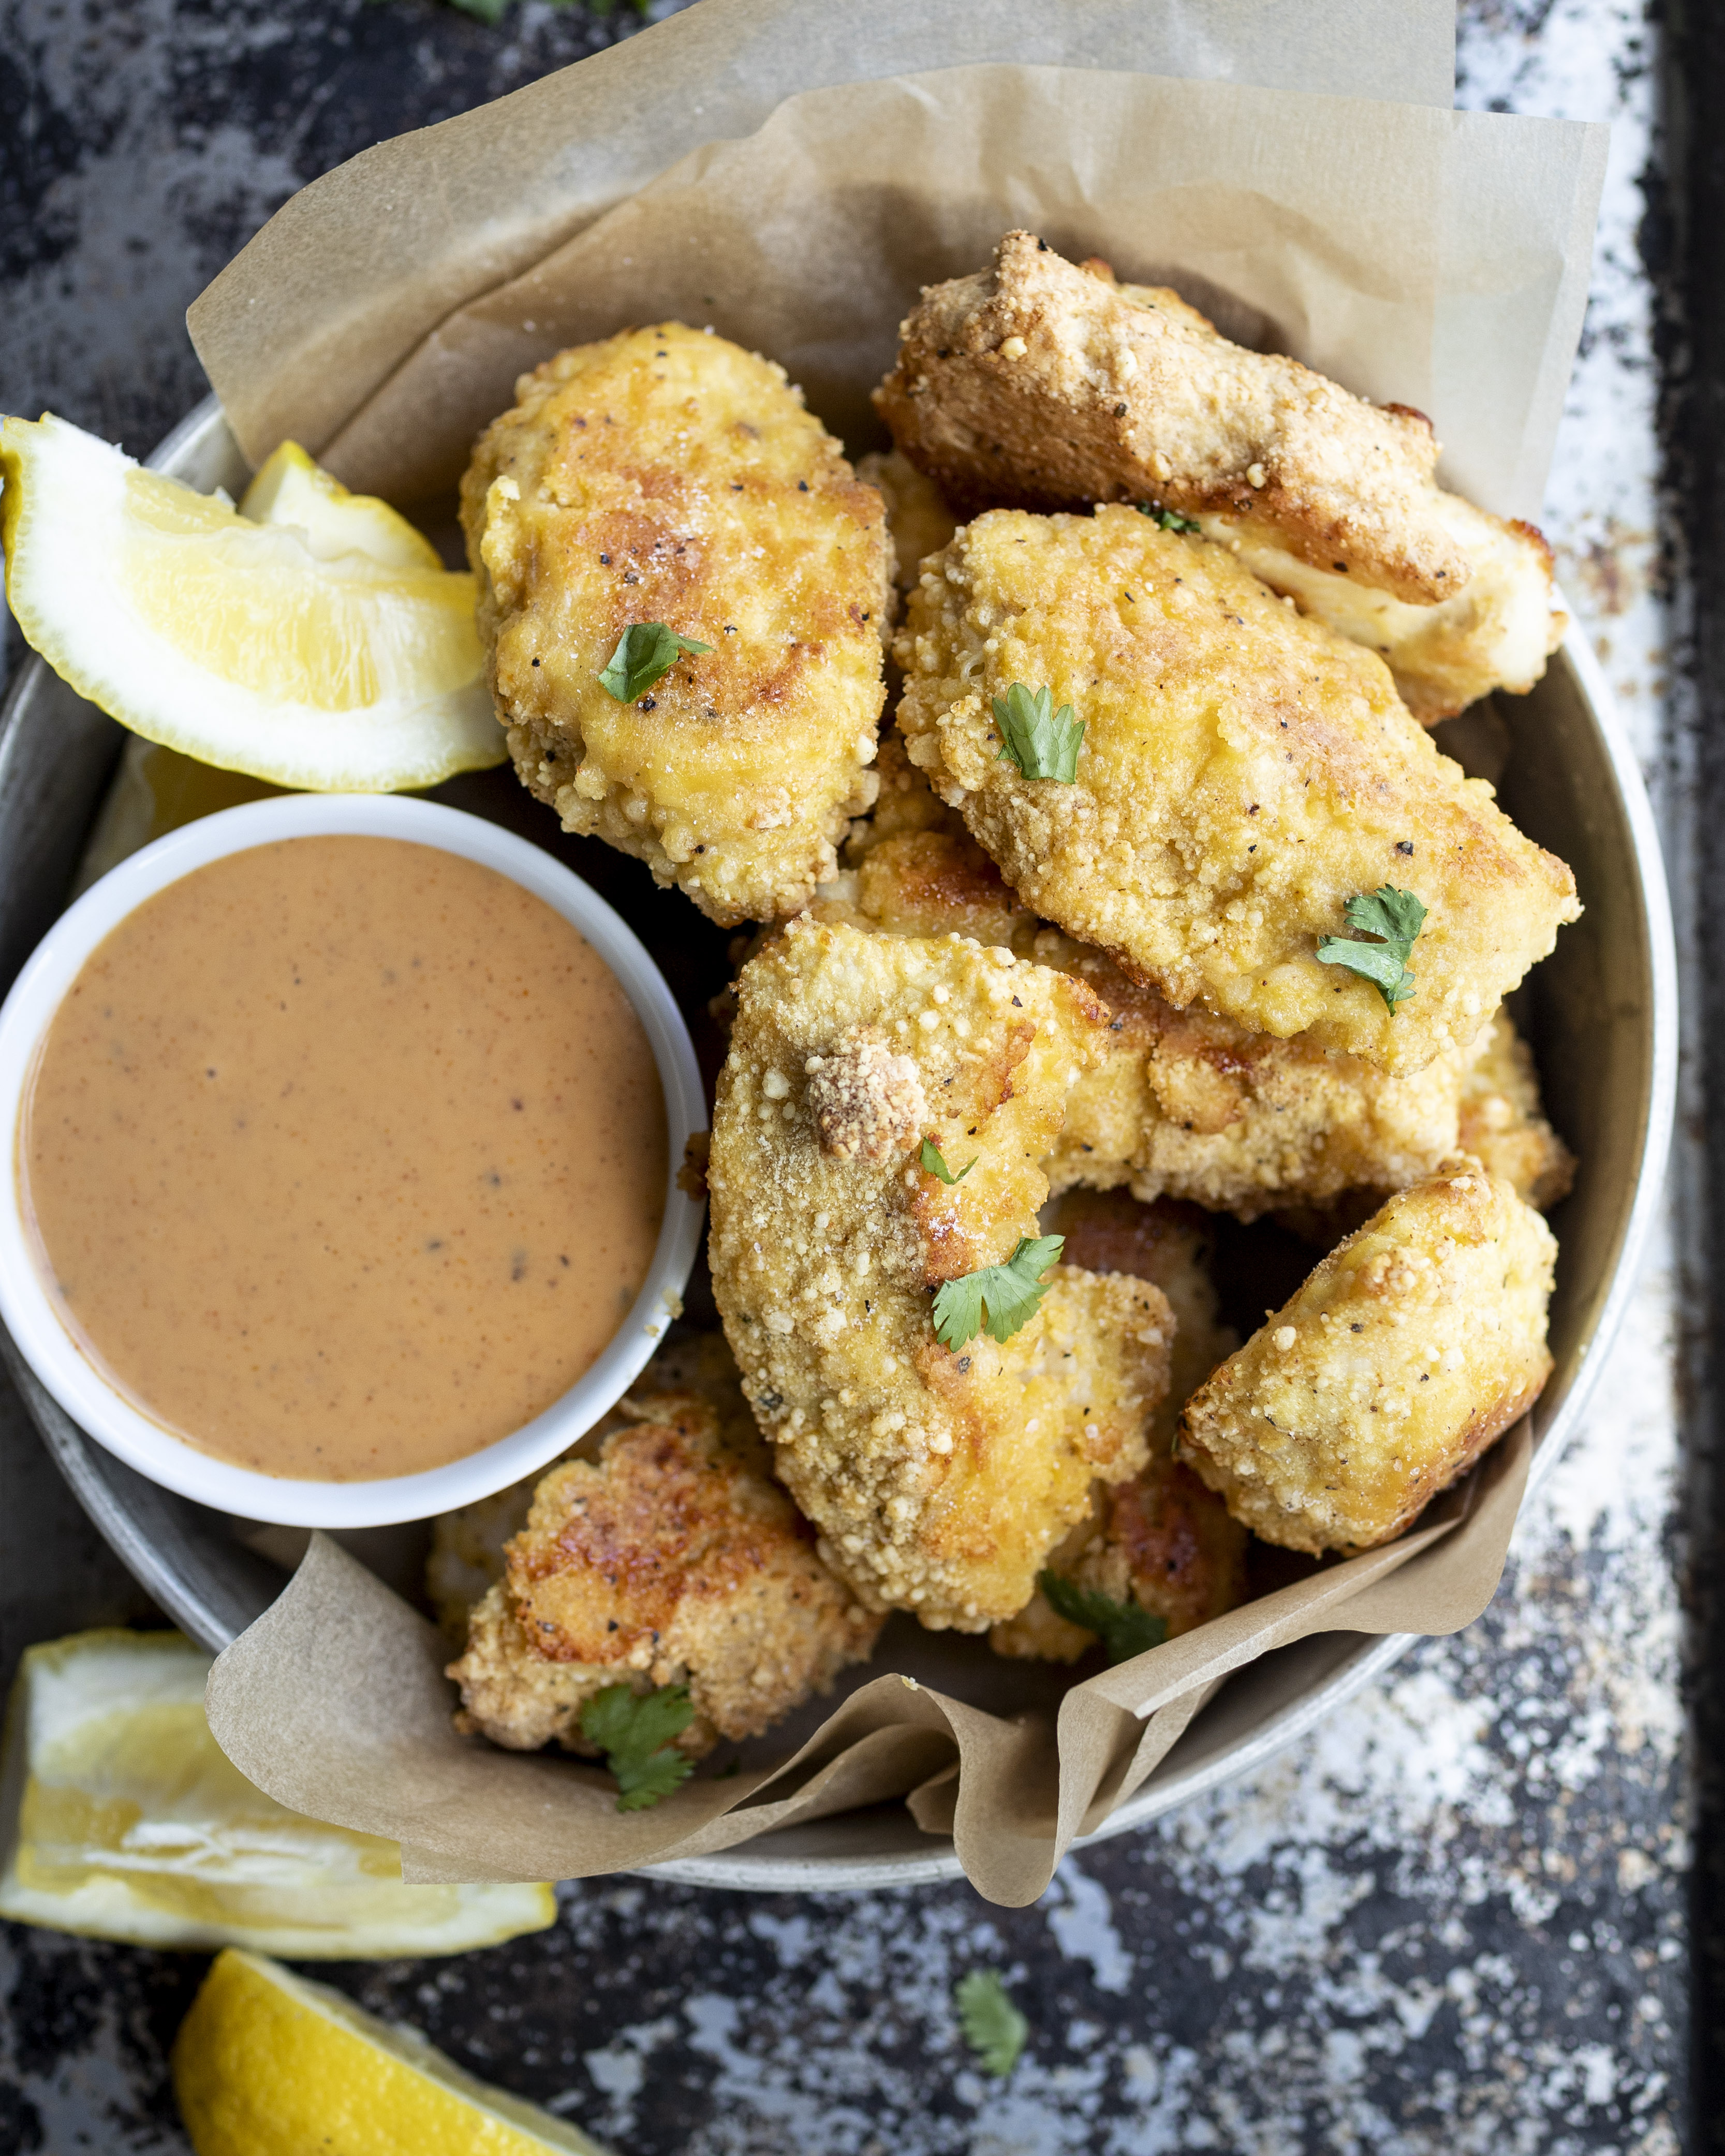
<point>1601,1014</point>
<point>104,1412</point>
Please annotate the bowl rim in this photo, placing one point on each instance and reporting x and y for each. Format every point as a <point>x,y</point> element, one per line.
<point>756,1866</point>
<point>96,1404</point>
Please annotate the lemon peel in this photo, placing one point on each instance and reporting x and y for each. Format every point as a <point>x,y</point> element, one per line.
<point>269,648</point>
<point>123,1819</point>
<point>268,2064</point>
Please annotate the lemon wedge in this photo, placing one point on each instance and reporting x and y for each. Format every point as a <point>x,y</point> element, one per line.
<point>125,1819</point>
<point>324,649</point>
<point>268,2064</point>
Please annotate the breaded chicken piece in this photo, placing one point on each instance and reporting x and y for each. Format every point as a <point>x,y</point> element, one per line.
<point>467,1545</point>
<point>939,1479</point>
<point>1042,385</point>
<point>1189,1106</point>
<point>1407,1352</point>
<point>668,476</point>
<point>671,1560</point>
<point>1161,1540</point>
<point>1243,773</point>
<point>918,519</point>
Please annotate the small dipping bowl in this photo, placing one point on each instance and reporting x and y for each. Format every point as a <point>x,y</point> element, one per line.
<point>28,1309</point>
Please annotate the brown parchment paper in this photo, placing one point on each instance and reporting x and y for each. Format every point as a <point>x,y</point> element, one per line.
<point>352,273</point>
<point>1435,257</point>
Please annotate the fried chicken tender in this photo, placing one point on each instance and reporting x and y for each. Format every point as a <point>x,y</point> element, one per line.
<point>1161,1540</point>
<point>668,476</point>
<point>1407,1352</point>
<point>1243,773</point>
<point>1192,1107</point>
<point>673,1559</point>
<point>919,521</point>
<point>939,1479</point>
<point>1046,386</point>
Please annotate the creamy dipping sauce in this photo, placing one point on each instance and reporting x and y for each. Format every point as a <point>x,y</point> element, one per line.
<point>345,1157</point>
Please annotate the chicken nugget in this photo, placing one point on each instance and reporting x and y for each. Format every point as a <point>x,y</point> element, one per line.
<point>1243,774</point>
<point>1047,386</point>
<point>668,477</point>
<point>919,521</point>
<point>1189,1105</point>
<point>1409,1351</point>
<point>671,1560</point>
<point>940,1478</point>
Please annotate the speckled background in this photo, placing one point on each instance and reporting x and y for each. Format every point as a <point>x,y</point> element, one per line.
<point>1455,1921</point>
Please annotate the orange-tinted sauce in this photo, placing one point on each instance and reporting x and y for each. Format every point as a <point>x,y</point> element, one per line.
<point>346,1157</point>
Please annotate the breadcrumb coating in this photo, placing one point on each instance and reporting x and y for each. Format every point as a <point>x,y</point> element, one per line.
<point>1189,1105</point>
<point>664,476</point>
<point>671,1560</point>
<point>919,521</point>
<point>1047,385</point>
<point>1243,773</point>
<point>1162,1539</point>
<point>1409,1352</point>
<point>939,1479</point>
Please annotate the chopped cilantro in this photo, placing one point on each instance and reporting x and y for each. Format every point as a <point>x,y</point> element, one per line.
<point>994,2027</point>
<point>1043,743</point>
<point>645,650</point>
<point>1170,520</point>
<point>634,1730</point>
<point>935,1165</point>
<point>1012,1294</point>
<point>1398,916</point>
<point>1123,1627</point>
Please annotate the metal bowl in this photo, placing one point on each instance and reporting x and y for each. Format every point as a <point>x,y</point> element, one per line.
<point>1601,1013</point>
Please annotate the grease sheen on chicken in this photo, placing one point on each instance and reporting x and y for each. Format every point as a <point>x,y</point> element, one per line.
<point>666,476</point>
<point>1243,773</point>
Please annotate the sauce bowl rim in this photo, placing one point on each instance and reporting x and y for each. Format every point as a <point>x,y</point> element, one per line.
<point>26,1307</point>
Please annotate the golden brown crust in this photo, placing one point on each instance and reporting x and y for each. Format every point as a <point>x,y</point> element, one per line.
<point>1500,1121</point>
<point>671,1560</point>
<point>1187,1105</point>
<point>919,521</point>
<point>1243,773</point>
<point>1410,1349</point>
<point>939,1480</point>
<point>666,476</point>
<point>1043,385</point>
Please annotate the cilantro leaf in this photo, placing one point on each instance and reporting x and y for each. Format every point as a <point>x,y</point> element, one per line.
<point>994,2027</point>
<point>634,1730</point>
<point>1170,520</point>
<point>1011,1294</point>
<point>1124,1629</point>
<point>644,651</point>
<point>1398,916</point>
<point>1043,743</point>
<point>935,1165</point>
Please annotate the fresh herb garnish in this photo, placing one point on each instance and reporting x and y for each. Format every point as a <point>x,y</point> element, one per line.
<point>1170,520</point>
<point>1398,916</point>
<point>994,2027</point>
<point>634,1730</point>
<point>1123,1627</point>
<point>1011,1293</point>
<point>1043,743</point>
<point>644,651</point>
<point>935,1165</point>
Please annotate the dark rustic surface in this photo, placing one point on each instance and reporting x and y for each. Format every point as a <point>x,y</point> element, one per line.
<point>1454,1921</point>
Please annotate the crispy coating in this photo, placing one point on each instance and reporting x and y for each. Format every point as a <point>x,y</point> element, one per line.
<point>1189,1106</point>
<point>939,1480</point>
<point>919,521</point>
<point>1162,1539</point>
<point>467,1545</point>
<point>1048,385</point>
<point>671,1560</point>
<point>1243,773</point>
<point>668,476</point>
<point>1409,1351</point>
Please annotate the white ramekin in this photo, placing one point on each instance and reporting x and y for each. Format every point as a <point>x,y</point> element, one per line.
<point>29,1313</point>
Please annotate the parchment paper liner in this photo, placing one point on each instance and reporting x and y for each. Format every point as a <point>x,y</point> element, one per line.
<point>1439,259</point>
